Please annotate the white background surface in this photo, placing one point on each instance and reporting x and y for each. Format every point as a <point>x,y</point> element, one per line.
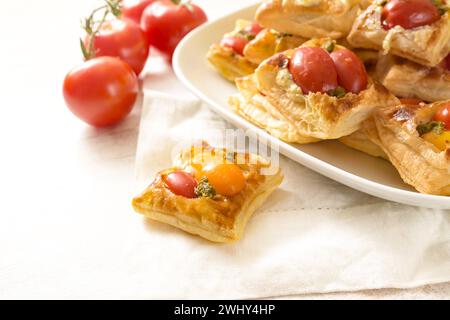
<point>56,171</point>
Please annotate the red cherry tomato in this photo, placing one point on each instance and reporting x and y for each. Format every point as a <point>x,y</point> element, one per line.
<point>166,23</point>
<point>101,91</point>
<point>313,70</point>
<point>409,14</point>
<point>181,183</point>
<point>411,101</point>
<point>352,75</point>
<point>443,115</point>
<point>236,43</point>
<point>133,9</point>
<point>254,28</point>
<point>124,40</point>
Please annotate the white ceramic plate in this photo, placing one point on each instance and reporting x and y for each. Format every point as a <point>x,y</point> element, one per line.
<point>330,158</point>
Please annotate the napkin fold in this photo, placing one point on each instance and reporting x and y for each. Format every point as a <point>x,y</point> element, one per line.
<point>313,235</point>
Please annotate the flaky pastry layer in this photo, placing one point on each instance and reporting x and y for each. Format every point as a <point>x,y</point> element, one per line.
<point>218,219</point>
<point>419,162</point>
<point>408,79</point>
<point>426,45</point>
<point>309,18</point>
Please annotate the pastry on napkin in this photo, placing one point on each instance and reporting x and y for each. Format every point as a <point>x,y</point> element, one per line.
<point>313,235</point>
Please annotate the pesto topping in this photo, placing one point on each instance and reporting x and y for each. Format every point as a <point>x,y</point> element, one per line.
<point>435,126</point>
<point>329,46</point>
<point>205,189</point>
<point>339,92</point>
<point>440,5</point>
<point>247,36</point>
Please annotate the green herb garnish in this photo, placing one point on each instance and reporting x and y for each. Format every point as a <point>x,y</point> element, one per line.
<point>435,126</point>
<point>329,46</point>
<point>440,6</point>
<point>339,92</point>
<point>247,36</point>
<point>205,189</point>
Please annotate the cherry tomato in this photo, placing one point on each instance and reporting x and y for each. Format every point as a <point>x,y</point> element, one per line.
<point>409,14</point>
<point>352,75</point>
<point>411,101</point>
<point>101,91</point>
<point>227,179</point>
<point>133,9</point>
<point>313,70</point>
<point>236,43</point>
<point>124,40</point>
<point>443,115</point>
<point>253,29</point>
<point>181,183</point>
<point>166,23</point>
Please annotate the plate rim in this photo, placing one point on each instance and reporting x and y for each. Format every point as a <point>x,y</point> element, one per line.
<point>311,162</point>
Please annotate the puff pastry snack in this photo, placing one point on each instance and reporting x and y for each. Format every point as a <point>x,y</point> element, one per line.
<point>243,49</point>
<point>408,79</point>
<point>209,192</point>
<point>309,18</point>
<point>360,141</point>
<point>320,110</point>
<point>422,36</point>
<point>416,144</point>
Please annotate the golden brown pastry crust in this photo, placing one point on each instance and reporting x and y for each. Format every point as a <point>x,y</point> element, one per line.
<point>317,115</point>
<point>229,64</point>
<point>268,42</point>
<point>407,79</point>
<point>426,45</point>
<point>309,18</point>
<point>359,140</point>
<point>419,162</point>
<point>221,219</point>
<point>253,106</point>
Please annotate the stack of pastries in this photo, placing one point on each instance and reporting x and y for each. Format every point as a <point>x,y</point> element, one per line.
<point>374,75</point>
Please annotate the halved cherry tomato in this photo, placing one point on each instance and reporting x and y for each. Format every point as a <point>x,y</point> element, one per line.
<point>133,9</point>
<point>410,101</point>
<point>101,91</point>
<point>253,29</point>
<point>167,22</point>
<point>227,179</point>
<point>236,43</point>
<point>409,14</point>
<point>313,70</point>
<point>352,75</point>
<point>443,115</point>
<point>124,40</point>
<point>181,183</point>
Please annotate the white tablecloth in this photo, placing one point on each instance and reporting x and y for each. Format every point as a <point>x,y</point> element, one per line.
<point>66,226</point>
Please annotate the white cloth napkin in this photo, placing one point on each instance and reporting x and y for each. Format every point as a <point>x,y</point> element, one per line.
<point>313,235</point>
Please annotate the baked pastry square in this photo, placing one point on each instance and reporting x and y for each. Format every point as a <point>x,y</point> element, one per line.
<point>309,18</point>
<point>427,45</point>
<point>317,115</point>
<point>210,214</point>
<point>419,151</point>
<point>233,65</point>
<point>230,64</point>
<point>408,79</point>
